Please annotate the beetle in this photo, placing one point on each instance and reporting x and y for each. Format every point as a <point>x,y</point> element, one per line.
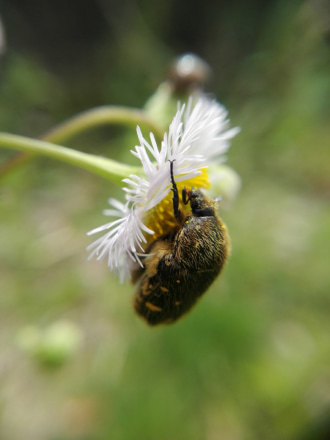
<point>181,265</point>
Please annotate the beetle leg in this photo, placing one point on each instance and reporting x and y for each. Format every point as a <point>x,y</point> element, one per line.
<point>177,212</point>
<point>186,196</point>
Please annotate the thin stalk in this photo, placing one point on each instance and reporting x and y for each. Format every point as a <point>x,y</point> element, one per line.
<point>107,168</point>
<point>98,116</point>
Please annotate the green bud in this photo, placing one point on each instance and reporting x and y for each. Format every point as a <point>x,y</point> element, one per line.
<point>52,346</point>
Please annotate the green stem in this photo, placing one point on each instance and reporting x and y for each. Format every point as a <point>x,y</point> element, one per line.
<point>84,121</point>
<point>101,116</point>
<point>106,168</point>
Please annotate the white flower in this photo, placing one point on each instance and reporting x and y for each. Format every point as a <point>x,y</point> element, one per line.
<point>197,136</point>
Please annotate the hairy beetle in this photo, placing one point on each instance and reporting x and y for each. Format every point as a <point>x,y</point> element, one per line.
<point>181,265</point>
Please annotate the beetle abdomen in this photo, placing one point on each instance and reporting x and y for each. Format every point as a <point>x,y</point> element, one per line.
<point>183,275</point>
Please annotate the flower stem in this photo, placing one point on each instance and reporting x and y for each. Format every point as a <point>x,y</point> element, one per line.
<point>101,116</point>
<point>104,167</point>
<point>82,122</point>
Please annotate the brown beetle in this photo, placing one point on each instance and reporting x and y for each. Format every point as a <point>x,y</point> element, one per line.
<point>181,265</point>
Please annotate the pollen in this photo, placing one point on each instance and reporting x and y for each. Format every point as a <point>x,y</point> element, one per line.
<point>161,218</point>
<point>200,181</point>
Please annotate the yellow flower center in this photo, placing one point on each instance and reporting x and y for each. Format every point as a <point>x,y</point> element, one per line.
<point>161,218</point>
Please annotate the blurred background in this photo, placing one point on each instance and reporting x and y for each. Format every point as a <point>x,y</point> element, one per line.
<point>251,361</point>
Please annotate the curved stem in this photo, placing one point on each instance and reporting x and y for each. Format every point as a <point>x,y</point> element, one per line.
<point>106,168</point>
<point>84,121</point>
<point>97,116</point>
